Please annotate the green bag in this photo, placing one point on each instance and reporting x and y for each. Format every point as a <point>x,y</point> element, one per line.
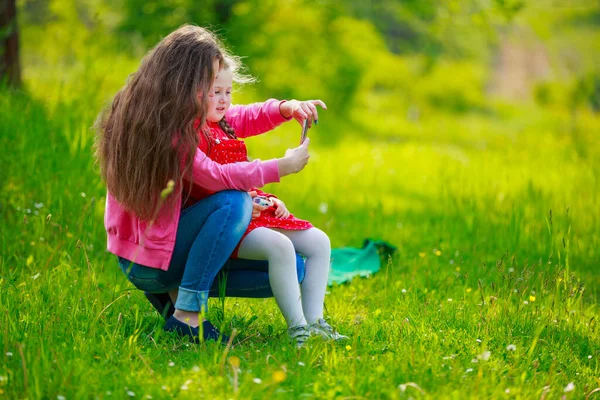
<point>348,262</point>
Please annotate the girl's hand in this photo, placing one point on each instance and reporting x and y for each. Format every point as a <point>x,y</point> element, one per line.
<point>302,110</point>
<point>256,208</point>
<point>281,211</point>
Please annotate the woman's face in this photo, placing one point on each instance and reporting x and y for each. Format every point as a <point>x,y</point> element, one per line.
<point>219,96</point>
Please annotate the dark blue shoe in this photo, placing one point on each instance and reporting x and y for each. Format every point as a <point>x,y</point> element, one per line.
<point>207,332</point>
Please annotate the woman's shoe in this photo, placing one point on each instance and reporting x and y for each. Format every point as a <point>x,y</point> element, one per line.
<point>207,331</point>
<point>321,328</point>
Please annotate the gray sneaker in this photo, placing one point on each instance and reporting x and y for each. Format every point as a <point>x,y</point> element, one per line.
<point>299,334</point>
<point>323,329</point>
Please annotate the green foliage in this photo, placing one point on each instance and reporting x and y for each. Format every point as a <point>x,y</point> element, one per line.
<point>493,205</point>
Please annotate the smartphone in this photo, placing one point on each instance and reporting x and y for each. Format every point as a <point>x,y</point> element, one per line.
<point>304,130</point>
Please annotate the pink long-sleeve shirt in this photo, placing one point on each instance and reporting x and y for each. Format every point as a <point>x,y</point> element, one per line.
<point>152,246</point>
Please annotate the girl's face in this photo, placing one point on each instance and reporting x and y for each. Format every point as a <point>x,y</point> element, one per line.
<point>219,96</point>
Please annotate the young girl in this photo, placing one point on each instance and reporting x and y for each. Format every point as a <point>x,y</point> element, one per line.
<point>274,234</point>
<point>147,141</point>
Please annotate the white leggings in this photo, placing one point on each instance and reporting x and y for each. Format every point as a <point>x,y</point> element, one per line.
<point>279,247</point>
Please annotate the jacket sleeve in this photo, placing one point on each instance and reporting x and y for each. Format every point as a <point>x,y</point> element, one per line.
<point>239,176</point>
<point>254,119</point>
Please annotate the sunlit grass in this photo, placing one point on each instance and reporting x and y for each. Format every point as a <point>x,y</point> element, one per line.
<point>493,291</point>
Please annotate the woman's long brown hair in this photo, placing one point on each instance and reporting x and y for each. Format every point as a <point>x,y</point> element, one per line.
<point>147,137</point>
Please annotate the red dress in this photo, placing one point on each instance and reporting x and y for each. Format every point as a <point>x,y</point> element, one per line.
<point>226,150</point>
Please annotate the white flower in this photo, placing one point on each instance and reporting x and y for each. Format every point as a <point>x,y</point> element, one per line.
<point>130,393</point>
<point>590,356</point>
<point>511,270</point>
<point>148,396</point>
<point>511,347</point>
<point>8,354</point>
<point>525,302</point>
<point>164,387</point>
<point>300,363</point>
<point>38,205</point>
<point>484,356</point>
<point>323,208</point>
<point>35,276</point>
<point>469,370</point>
<point>3,378</point>
<point>60,397</point>
<point>108,393</point>
<point>171,363</point>
<point>196,368</point>
<point>570,387</point>
<point>449,299</point>
<point>184,387</point>
<point>403,290</point>
<point>83,195</point>
<point>258,381</point>
<point>507,390</point>
<point>478,340</point>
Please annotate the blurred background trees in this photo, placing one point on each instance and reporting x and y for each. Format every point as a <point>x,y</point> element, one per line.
<point>387,61</point>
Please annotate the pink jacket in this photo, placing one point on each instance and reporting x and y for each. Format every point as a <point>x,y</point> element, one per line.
<point>131,238</point>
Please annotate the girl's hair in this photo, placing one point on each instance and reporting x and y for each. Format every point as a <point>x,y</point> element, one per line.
<point>148,136</point>
<point>234,65</point>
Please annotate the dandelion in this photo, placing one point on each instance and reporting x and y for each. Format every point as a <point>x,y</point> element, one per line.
<point>532,298</point>
<point>469,290</point>
<point>323,208</point>
<point>485,355</point>
<point>378,312</point>
<point>422,254</point>
<point>570,387</point>
<point>258,381</point>
<point>278,376</point>
<point>511,347</point>
<point>234,361</point>
<point>437,252</point>
<point>348,347</point>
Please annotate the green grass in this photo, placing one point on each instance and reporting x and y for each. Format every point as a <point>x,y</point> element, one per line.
<point>495,217</point>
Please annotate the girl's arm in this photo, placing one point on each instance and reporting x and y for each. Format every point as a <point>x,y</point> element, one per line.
<point>245,175</point>
<point>254,119</point>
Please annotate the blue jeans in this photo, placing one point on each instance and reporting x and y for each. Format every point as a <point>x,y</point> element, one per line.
<point>207,234</point>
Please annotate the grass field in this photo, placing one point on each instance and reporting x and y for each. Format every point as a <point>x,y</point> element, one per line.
<point>492,293</point>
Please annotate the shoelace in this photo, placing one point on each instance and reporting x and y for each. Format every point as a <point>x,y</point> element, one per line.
<point>300,334</point>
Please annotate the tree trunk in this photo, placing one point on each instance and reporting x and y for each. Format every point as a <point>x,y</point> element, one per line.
<point>10,69</point>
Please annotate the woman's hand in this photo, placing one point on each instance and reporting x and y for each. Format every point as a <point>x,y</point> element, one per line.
<point>301,110</point>
<point>295,159</point>
<point>256,208</point>
<point>281,211</point>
